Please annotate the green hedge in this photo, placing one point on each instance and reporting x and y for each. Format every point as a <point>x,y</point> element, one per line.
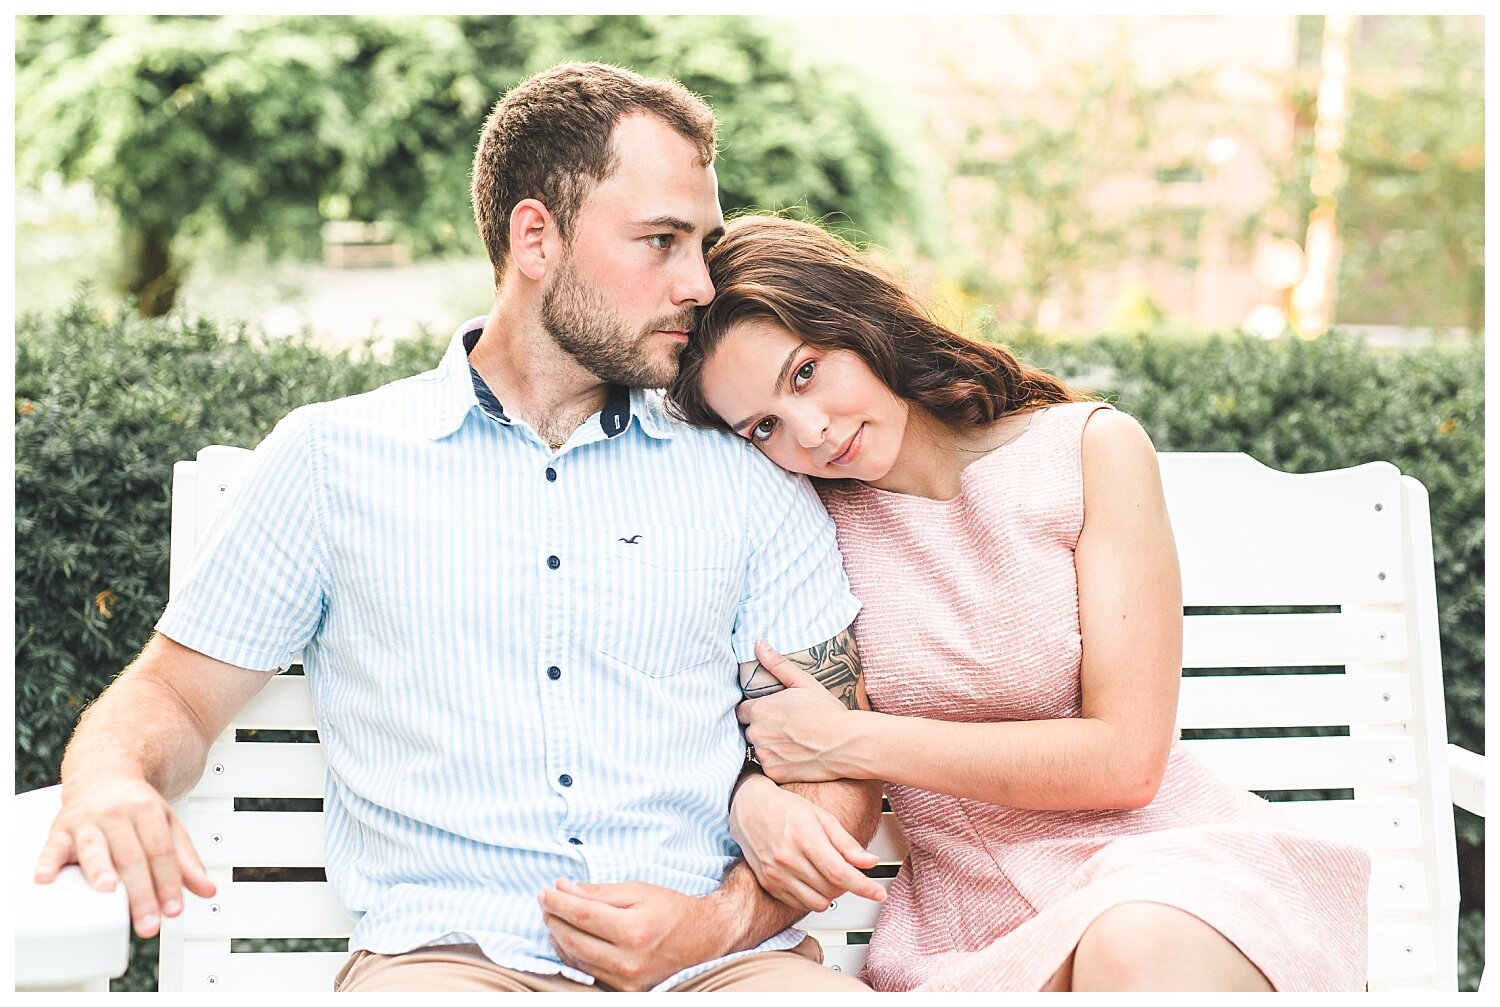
<point>106,402</point>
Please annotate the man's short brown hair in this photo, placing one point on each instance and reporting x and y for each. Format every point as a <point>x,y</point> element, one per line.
<point>549,139</point>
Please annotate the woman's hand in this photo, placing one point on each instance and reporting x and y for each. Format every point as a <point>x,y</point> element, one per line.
<point>799,853</point>
<point>798,733</point>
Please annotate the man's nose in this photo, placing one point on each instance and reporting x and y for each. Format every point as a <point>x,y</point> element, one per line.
<point>694,285</point>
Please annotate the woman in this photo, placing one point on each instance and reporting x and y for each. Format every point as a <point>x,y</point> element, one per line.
<point>1021,638</point>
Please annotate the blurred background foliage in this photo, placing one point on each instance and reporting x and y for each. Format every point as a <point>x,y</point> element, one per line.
<point>211,141</point>
<point>1411,205</point>
<point>1033,171</point>
<point>266,127</point>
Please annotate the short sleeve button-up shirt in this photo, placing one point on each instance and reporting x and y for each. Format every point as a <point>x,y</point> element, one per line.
<point>523,662</point>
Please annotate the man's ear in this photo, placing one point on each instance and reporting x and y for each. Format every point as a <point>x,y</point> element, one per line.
<point>531,224</point>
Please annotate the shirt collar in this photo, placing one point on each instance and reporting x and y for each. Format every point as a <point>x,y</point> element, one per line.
<point>455,389</point>
<point>649,410</point>
<point>461,390</point>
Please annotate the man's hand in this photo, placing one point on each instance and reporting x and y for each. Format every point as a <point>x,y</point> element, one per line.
<point>800,853</point>
<point>144,739</point>
<point>122,829</point>
<point>633,935</point>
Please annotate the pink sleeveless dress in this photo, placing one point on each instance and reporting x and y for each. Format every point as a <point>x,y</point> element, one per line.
<point>971,614</point>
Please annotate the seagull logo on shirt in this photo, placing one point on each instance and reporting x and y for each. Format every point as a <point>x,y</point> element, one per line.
<point>632,540</point>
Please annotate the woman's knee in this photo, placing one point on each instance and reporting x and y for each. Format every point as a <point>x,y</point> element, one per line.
<point>1124,948</point>
<point>1150,946</point>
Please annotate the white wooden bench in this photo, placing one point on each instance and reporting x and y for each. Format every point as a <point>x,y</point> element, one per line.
<point>1342,560</point>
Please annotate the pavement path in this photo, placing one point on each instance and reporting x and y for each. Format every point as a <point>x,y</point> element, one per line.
<point>343,307</point>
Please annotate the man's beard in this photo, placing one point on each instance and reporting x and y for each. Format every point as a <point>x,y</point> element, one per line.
<point>582,323</point>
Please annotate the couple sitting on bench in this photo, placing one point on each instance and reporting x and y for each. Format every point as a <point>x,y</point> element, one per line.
<point>522,585</point>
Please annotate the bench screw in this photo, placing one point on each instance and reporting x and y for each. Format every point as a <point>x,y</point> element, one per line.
<point>1385,697</point>
<point>213,909</point>
<point>1380,576</point>
<point>216,839</point>
<point>1401,886</point>
<point>1390,760</point>
<point>1395,823</point>
<point>223,489</point>
<point>213,980</point>
<point>833,905</point>
<point>835,968</point>
<point>1382,634</point>
<point>218,769</point>
<point>1380,506</point>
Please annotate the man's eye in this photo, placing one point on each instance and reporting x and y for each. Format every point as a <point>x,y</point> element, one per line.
<point>660,242</point>
<point>763,429</point>
<point>804,374</point>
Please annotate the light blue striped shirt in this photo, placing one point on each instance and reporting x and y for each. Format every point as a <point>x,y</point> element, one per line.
<point>523,662</point>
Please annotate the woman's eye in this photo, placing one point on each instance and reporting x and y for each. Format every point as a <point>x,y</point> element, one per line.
<point>804,374</point>
<point>763,429</point>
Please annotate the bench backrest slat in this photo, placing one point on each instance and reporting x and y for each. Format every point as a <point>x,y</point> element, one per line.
<point>1289,641</point>
<point>210,966</point>
<point>1248,535</point>
<point>1315,700</point>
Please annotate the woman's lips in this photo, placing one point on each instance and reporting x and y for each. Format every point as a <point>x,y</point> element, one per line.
<point>847,455</point>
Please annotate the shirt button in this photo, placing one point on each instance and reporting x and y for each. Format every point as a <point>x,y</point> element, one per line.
<point>554,673</point>
<point>551,475</point>
<point>554,562</point>
<point>565,780</point>
<point>575,840</point>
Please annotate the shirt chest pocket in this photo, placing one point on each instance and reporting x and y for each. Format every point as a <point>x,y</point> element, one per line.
<point>666,598</point>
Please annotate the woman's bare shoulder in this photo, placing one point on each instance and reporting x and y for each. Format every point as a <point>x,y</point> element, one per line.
<point>1118,454</point>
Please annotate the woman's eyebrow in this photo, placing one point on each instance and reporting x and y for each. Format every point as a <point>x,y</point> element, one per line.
<point>786,368</point>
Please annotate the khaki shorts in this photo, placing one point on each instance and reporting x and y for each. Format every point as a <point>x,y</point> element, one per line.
<point>463,968</point>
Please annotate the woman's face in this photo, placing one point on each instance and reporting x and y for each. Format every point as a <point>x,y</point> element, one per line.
<point>822,413</point>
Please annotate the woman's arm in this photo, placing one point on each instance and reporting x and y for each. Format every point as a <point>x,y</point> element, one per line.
<point>1130,614</point>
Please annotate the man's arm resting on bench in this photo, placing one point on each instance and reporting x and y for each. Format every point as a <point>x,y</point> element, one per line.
<point>142,743</point>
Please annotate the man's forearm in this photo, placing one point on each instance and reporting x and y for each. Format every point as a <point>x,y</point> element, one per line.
<point>136,728</point>
<point>751,914</point>
<point>855,803</point>
<point>158,719</point>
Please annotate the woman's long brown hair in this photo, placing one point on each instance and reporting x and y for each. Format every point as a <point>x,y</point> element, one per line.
<point>825,292</point>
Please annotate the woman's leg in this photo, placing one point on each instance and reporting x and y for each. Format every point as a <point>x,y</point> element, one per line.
<point>1062,979</point>
<point>1150,946</point>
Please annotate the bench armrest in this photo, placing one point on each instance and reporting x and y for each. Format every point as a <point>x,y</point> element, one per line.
<point>68,936</point>
<point>1466,775</point>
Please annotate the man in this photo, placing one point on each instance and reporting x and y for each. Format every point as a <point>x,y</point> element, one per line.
<point>521,591</point>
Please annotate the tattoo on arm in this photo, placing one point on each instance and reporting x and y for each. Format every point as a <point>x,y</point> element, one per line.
<point>834,663</point>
